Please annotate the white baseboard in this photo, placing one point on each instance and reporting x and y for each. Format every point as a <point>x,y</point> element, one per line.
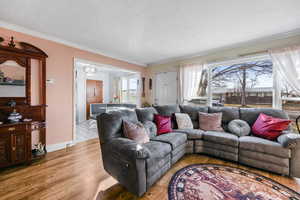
<point>58,146</point>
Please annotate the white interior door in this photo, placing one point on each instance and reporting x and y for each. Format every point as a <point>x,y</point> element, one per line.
<point>166,88</point>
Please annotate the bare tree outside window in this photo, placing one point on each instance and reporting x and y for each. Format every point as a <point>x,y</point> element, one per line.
<point>246,84</point>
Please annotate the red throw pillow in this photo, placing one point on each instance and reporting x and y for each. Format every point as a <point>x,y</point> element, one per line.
<point>269,127</point>
<point>163,124</point>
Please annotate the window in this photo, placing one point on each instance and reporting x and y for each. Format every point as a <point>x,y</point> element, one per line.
<point>246,82</point>
<point>129,90</point>
<point>290,102</point>
<point>124,91</point>
<point>194,84</point>
<point>133,86</point>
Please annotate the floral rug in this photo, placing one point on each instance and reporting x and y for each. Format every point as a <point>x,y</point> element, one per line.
<point>218,182</point>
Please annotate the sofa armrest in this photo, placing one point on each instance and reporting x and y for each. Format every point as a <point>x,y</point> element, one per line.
<point>289,140</point>
<point>128,149</point>
<point>292,141</point>
<point>125,160</point>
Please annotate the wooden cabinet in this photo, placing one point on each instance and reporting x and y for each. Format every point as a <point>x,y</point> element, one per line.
<point>14,143</point>
<point>30,102</point>
<point>5,149</point>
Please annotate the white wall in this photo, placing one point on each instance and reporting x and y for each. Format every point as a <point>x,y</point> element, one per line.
<point>81,91</point>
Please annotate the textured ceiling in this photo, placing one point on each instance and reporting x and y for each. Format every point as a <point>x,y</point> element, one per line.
<point>149,31</point>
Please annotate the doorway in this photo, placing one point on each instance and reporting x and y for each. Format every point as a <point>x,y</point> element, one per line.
<point>94,94</point>
<point>166,87</point>
<point>101,88</point>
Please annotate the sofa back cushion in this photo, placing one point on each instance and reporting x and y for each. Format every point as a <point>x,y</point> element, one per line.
<point>145,114</point>
<point>228,114</point>
<point>251,114</point>
<point>110,124</point>
<point>169,111</point>
<point>193,111</point>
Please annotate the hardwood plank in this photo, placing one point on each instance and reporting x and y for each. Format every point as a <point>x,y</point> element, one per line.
<point>77,173</point>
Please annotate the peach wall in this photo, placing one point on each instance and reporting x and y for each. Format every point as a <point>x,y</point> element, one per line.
<point>60,94</point>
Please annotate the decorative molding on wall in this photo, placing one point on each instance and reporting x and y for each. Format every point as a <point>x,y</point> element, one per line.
<point>31,32</point>
<point>270,38</point>
<point>59,146</point>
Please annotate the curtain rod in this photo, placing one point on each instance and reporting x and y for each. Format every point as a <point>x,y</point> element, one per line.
<point>240,56</point>
<point>253,53</point>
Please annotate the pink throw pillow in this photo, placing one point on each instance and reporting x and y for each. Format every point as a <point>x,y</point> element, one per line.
<point>269,127</point>
<point>136,132</point>
<point>163,124</point>
<point>210,121</point>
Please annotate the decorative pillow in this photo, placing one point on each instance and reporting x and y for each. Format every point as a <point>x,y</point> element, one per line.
<point>269,127</point>
<point>239,127</point>
<point>136,132</point>
<point>210,121</point>
<point>183,121</point>
<point>163,124</point>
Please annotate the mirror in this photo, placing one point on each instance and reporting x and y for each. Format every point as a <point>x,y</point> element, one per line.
<point>12,80</point>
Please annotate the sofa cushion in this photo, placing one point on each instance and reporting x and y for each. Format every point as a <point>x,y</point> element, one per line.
<point>239,127</point>
<point>169,110</point>
<point>191,133</point>
<point>158,149</point>
<point>183,121</point>
<point>145,114</point>
<point>264,146</point>
<point>110,124</point>
<point>221,138</point>
<point>173,138</point>
<point>229,114</point>
<point>151,128</point>
<point>251,114</point>
<point>192,111</point>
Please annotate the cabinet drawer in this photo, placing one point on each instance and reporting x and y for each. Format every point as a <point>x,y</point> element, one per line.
<point>12,128</point>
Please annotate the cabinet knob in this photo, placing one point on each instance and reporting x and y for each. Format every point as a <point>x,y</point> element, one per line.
<point>14,148</point>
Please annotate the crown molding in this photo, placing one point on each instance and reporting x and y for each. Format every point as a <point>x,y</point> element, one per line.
<point>31,32</point>
<point>269,38</point>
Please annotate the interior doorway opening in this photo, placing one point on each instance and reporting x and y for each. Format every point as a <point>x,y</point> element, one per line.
<point>100,88</point>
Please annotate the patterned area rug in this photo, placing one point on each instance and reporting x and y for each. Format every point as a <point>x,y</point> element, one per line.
<point>218,182</point>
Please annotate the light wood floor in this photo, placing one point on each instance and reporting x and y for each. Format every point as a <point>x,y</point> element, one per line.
<point>77,174</point>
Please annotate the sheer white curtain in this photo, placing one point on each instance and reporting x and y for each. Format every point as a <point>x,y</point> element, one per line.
<point>190,79</point>
<point>286,65</point>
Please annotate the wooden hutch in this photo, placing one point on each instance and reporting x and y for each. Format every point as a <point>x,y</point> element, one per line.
<point>25,94</point>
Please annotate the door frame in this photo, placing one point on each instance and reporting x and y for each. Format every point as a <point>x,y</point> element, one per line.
<point>154,96</point>
<point>74,100</point>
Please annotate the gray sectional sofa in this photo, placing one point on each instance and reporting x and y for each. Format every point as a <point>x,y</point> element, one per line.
<point>138,167</point>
